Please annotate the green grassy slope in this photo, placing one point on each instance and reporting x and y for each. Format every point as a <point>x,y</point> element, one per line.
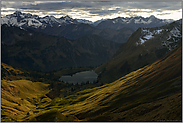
<point>152,93</point>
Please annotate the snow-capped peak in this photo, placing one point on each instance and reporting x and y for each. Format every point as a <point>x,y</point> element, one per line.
<point>17,13</point>
<point>140,20</point>
<point>84,21</point>
<point>152,17</point>
<point>26,19</point>
<point>67,17</point>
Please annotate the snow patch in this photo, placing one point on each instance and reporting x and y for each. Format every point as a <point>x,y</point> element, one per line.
<point>33,22</point>
<point>13,21</point>
<point>141,21</point>
<point>142,41</point>
<point>158,31</point>
<point>147,35</point>
<point>22,16</point>
<point>175,32</point>
<point>4,20</point>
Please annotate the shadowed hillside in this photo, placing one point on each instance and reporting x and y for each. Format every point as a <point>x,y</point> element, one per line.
<point>144,47</point>
<point>152,93</point>
<point>38,51</point>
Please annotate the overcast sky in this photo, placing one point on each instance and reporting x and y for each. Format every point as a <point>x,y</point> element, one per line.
<point>95,10</point>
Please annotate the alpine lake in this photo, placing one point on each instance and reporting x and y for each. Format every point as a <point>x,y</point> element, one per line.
<point>80,77</point>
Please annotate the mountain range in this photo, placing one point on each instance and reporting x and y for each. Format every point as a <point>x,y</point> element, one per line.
<point>28,20</point>
<point>76,28</point>
<point>38,51</point>
<point>133,22</point>
<point>139,78</point>
<point>144,46</point>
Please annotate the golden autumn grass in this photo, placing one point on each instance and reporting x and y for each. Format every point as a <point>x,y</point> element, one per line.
<point>152,93</point>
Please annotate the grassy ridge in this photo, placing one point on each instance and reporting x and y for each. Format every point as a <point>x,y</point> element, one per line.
<point>153,88</point>
<point>152,93</point>
<point>21,93</point>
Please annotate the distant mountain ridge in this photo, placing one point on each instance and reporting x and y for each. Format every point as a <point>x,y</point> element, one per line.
<point>110,29</point>
<point>28,20</point>
<point>133,22</point>
<point>65,26</point>
<point>76,31</point>
<point>38,51</point>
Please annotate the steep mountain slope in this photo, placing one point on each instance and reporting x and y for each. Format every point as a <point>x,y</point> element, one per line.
<point>132,22</point>
<point>119,36</point>
<point>152,93</point>
<point>144,46</point>
<point>38,51</point>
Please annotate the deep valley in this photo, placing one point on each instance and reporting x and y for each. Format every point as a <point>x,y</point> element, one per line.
<point>72,70</point>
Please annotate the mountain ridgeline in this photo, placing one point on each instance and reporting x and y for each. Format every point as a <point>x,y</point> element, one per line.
<point>117,29</point>
<point>133,22</point>
<point>144,47</point>
<point>38,51</point>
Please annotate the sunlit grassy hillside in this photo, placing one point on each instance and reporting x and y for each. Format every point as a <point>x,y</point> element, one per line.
<point>152,93</point>
<point>18,97</point>
<point>22,98</point>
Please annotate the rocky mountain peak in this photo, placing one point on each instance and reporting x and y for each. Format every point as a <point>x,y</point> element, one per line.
<point>17,13</point>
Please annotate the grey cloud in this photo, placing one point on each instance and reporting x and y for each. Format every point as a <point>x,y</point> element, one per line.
<point>104,12</point>
<point>156,5</point>
<point>51,6</point>
<point>96,7</point>
<point>164,14</point>
<point>57,6</point>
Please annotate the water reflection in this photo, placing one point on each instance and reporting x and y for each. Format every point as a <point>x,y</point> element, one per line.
<point>80,77</point>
